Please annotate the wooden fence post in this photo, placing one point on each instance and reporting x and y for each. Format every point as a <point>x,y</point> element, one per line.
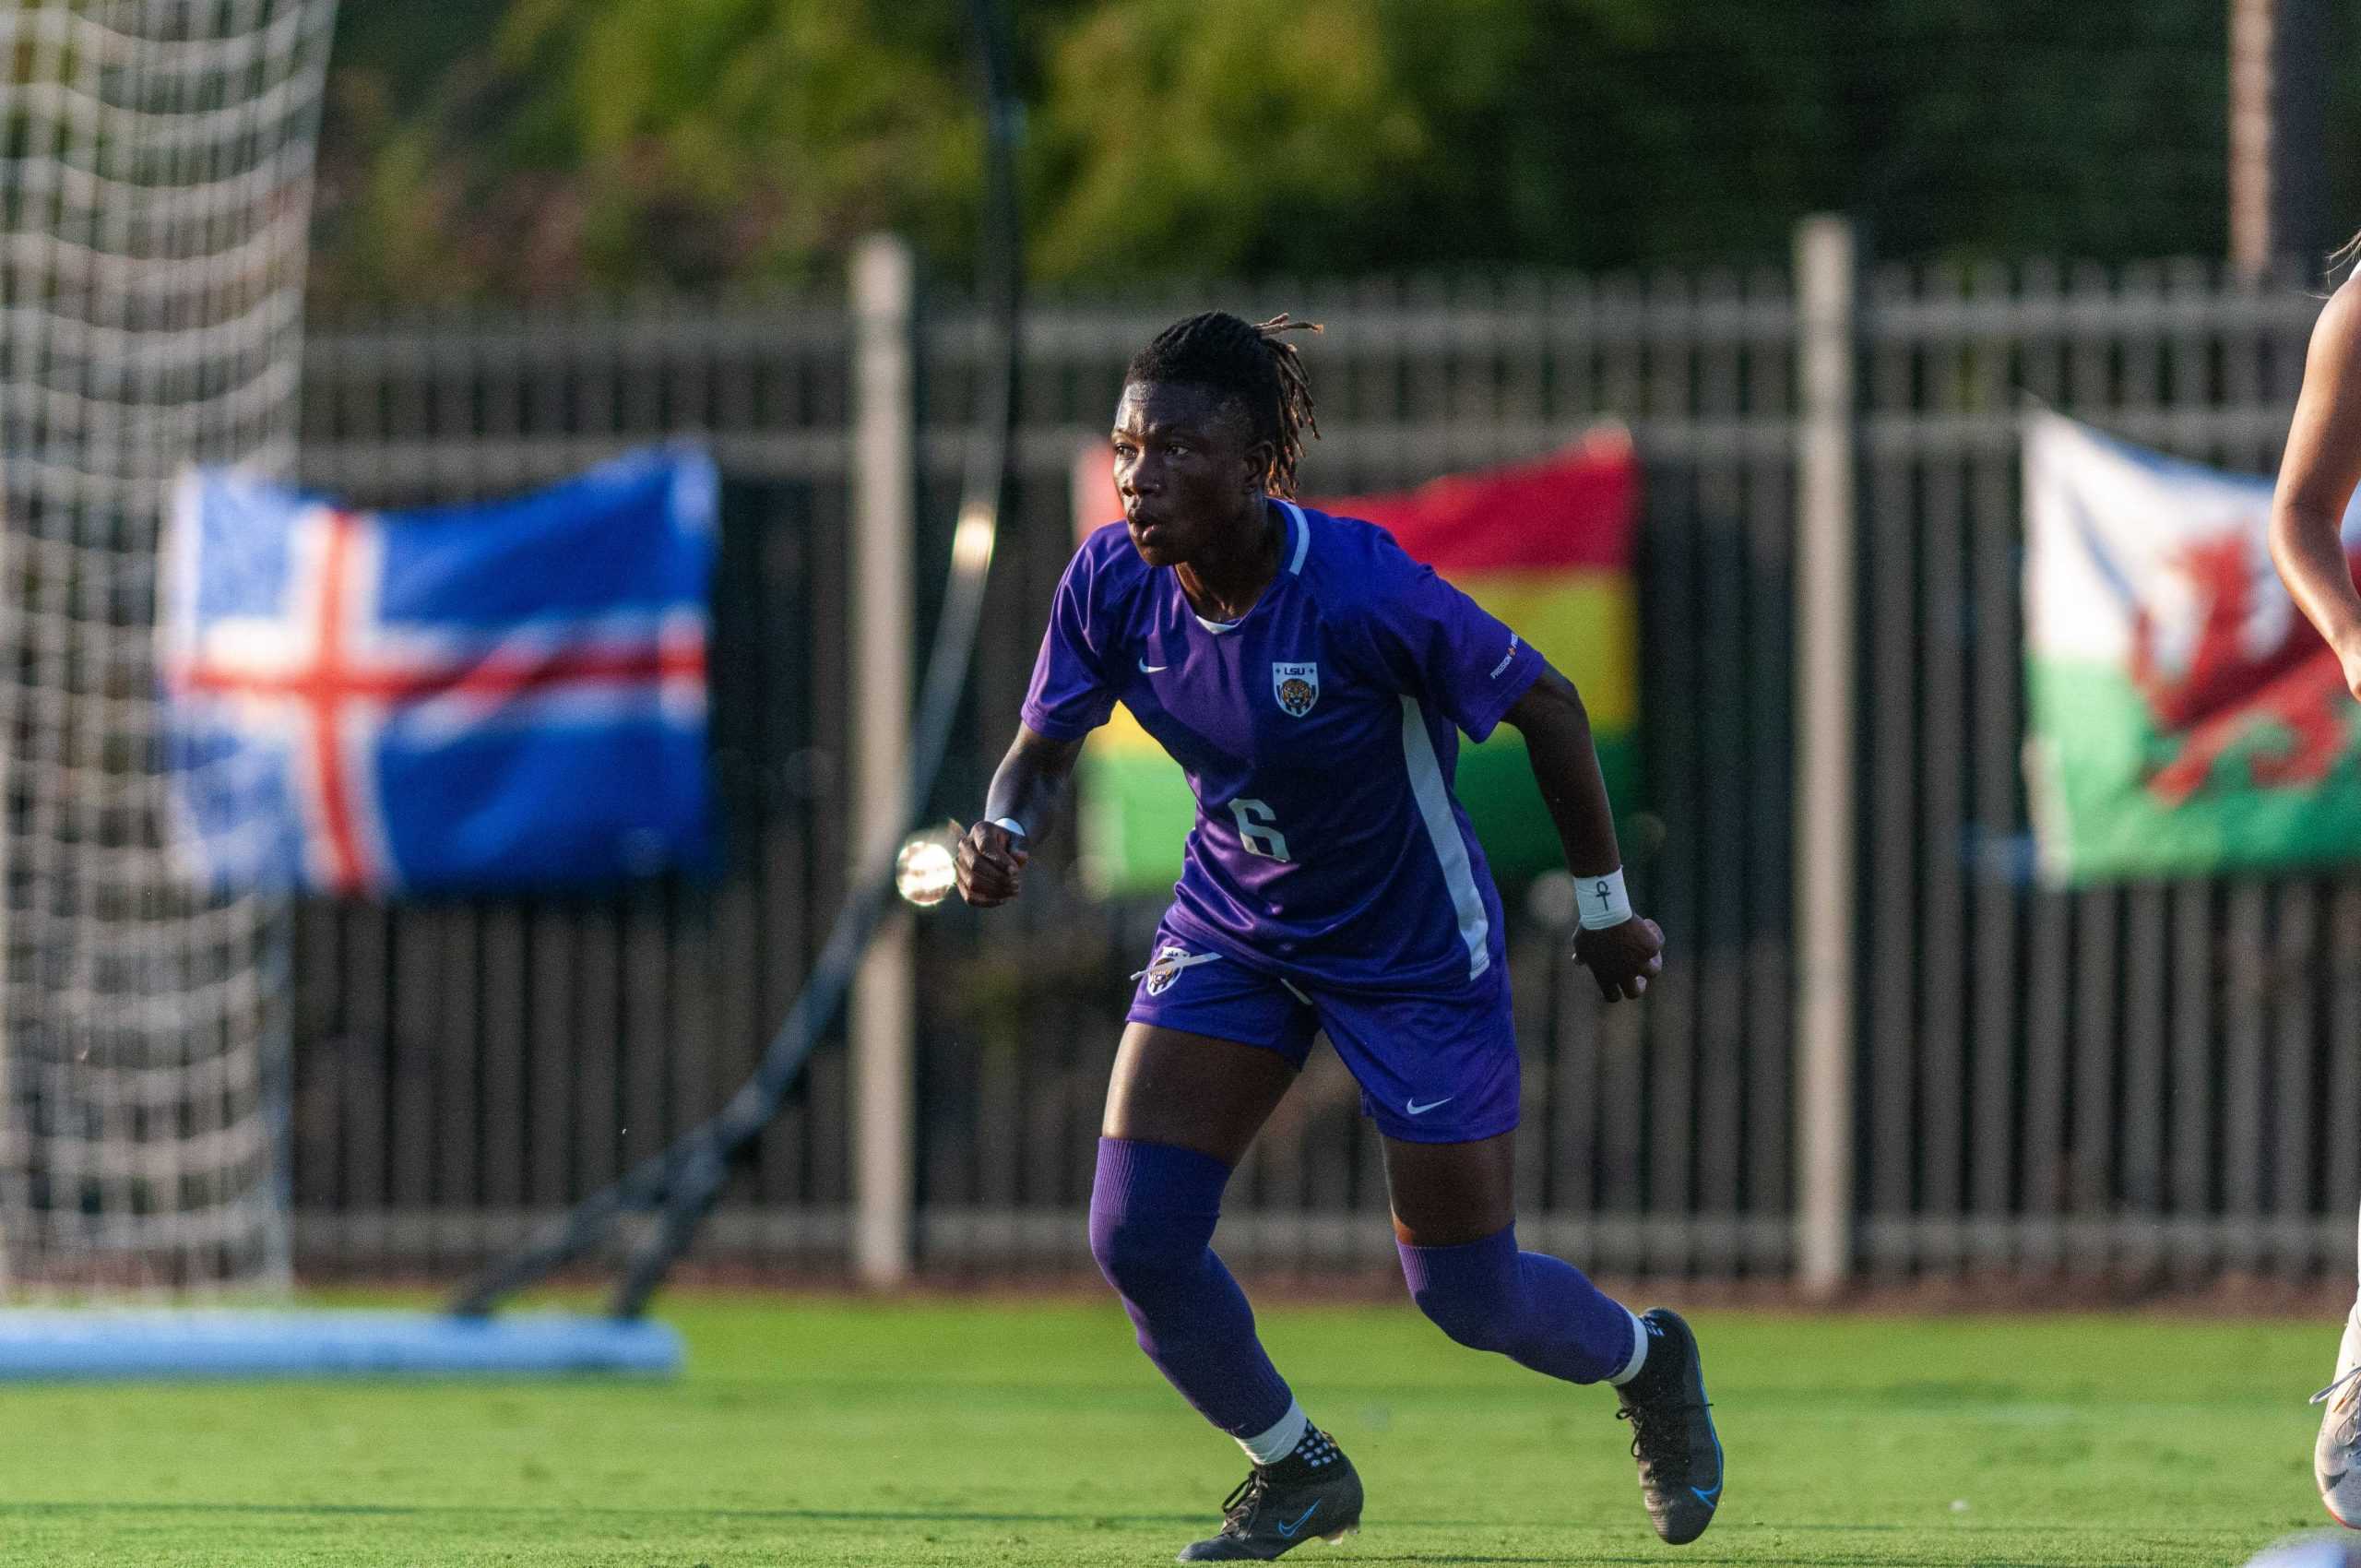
<point>1827,687</point>
<point>880,1016</point>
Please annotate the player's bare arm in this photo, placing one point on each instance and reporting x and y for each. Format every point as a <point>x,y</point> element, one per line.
<point>1024,790</point>
<point>1623,957</point>
<point>2316,482</point>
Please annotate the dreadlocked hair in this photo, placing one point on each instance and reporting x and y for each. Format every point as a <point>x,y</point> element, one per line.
<point>1253,361</point>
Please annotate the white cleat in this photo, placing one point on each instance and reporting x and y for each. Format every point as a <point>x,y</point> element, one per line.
<point>2336,1456</point>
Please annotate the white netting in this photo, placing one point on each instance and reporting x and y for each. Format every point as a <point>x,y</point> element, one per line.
<point>155,177</point>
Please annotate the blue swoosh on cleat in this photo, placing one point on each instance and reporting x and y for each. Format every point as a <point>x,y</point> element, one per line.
<point>1707,1497</point>
<point>1290,1530</point>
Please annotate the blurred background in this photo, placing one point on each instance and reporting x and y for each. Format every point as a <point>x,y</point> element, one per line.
<point>1815,258</point>
<point>509,151</point>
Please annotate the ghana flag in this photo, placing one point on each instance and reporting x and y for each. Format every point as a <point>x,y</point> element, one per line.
<point>1544,546</point>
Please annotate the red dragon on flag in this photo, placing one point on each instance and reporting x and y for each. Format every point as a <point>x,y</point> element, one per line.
<point>2227,694</point>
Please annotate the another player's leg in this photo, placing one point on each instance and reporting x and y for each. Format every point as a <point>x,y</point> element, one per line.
<point>2336,1455</point>
<point>1454,1222</point>
<point>1181,1109</point>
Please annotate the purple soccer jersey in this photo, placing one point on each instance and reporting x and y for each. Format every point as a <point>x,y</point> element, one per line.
<point>1321,735</point>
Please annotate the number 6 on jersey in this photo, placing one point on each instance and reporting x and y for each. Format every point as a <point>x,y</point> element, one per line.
<point>1256,829</point>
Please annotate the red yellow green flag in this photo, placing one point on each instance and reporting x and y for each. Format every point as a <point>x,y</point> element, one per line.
<point>1546,546</point>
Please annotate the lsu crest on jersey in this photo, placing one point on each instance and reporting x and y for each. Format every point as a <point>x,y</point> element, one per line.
<point>1297,686</point>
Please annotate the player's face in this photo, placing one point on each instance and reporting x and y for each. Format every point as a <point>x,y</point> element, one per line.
<point>1186,469</point>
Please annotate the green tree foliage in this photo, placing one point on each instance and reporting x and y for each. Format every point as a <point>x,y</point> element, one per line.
<point>543,148</point>
<point>567,145</point>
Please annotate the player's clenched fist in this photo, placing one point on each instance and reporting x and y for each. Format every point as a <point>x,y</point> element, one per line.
<point>991,865</point>
<point>1621,958</point>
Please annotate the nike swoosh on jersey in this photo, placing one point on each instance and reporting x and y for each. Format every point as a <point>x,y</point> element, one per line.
<point>1148,669</point>
<point>1415,1109</point>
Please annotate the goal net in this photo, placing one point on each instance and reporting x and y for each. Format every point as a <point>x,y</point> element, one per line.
<point>155,190</point>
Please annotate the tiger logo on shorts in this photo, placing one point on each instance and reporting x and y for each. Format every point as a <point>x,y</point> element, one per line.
<point>1167,967</point>
<point>1297,686</point>
<point>1164,971</point>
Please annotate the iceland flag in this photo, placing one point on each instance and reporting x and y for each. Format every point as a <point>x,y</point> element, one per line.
<point>478,698</point>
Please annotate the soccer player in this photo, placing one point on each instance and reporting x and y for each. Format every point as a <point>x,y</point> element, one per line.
<point>2316,476</point>
<point>1311,680</point>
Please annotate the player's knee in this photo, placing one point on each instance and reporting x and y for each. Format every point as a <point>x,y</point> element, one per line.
<point>1152,1214</point>
<point>1140,1251</point>
<point>1480,1320</point>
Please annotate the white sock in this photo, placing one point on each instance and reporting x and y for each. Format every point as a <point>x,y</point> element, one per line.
<point>2348,1349</point>
<point>1639,1353</point>
<point>1270,1447</point>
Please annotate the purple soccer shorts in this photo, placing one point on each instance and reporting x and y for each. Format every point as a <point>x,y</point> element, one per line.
<point>1434,1067</point>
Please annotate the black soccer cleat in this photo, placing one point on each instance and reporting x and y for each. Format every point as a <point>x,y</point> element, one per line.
<point>1672,1432</point>
<point>1313,1493</point>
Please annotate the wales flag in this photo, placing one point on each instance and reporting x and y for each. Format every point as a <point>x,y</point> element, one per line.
<point>2184,718</point>
<point>1546,546</point>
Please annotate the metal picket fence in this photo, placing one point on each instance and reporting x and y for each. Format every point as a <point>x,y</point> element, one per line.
<point>2145,1079</point>
<point>465,1070</point>
<point>2136,1080</point>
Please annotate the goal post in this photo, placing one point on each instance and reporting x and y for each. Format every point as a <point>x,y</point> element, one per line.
<point>155,196</point>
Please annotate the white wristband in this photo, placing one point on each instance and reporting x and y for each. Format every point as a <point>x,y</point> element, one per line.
<point>1602,900</point>
<point>1016,827</point>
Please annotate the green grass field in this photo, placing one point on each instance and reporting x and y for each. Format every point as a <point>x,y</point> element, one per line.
<point>1023,1432</point>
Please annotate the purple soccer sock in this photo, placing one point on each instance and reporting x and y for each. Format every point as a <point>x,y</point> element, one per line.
<point>1152,1213</point>
<point>1535,1310</point>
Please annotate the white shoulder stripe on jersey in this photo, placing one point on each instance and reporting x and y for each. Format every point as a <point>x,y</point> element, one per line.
<point>1302,536</point>
<point>1442,828</point>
